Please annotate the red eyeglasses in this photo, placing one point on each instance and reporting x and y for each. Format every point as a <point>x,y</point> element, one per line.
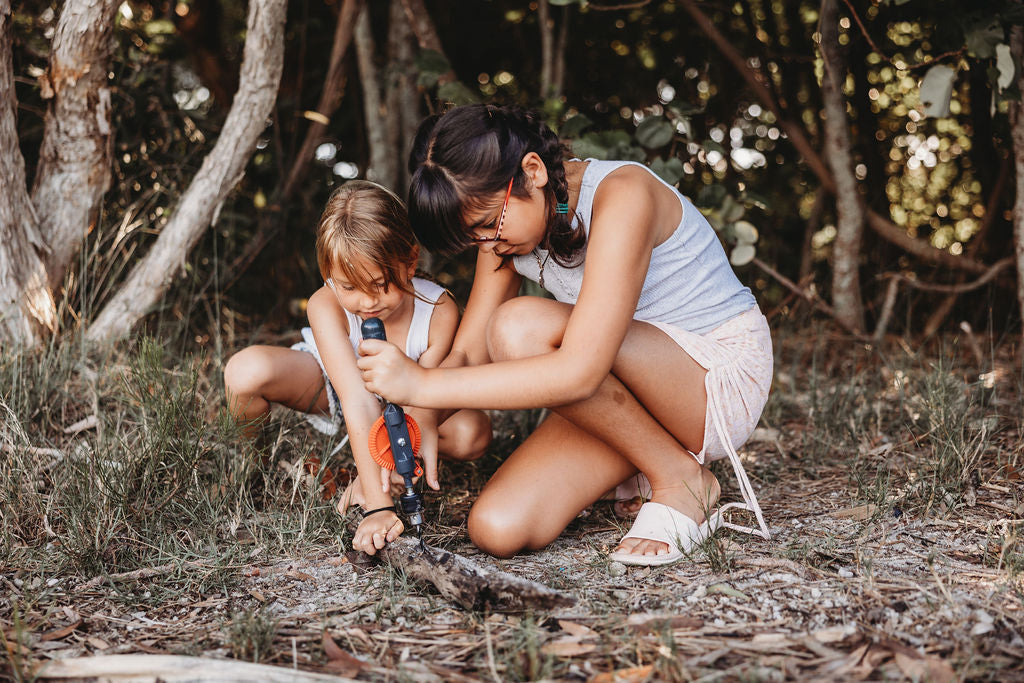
<point>501,220</point>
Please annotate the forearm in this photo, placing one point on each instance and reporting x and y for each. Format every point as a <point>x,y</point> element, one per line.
<point>539,381</point>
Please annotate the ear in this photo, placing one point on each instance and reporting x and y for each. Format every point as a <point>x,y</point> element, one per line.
<point>535,170</point>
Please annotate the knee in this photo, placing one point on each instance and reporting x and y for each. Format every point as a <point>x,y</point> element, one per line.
<point>247,372</point>
<point>524,327</point>
<point>497,530</point>
<point>470,436</point>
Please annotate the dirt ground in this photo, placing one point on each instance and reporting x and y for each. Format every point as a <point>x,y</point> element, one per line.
<point>857,583</point>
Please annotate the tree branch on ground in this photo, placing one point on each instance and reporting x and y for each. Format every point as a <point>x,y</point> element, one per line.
<point>221,170</point>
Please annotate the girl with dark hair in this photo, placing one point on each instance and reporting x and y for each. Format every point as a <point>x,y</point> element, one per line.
<point>653,358</point>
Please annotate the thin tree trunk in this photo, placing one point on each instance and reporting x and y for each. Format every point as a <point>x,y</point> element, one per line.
<point>220,172</point>
<point>558,75</point>
<point>846,299</point>
<point>382,168</point>
<point>27,309</point>
<point>547,47</point>
<point>1017,130</point>
<point>401,96</point>
<point>74,160</point>
<point>426,32</point>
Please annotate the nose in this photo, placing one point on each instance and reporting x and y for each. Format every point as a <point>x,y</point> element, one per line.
<point>369,301</point>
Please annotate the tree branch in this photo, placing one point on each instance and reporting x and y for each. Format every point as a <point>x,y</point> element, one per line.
<point>220,172</point>
<point>987,277</point>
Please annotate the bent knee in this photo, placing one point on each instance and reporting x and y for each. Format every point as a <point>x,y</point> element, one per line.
<point>503,530</point>
<point>247,372</point>
<point>525,326</point>
<point>470,436</point>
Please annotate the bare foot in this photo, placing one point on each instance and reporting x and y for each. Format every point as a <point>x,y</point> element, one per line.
<point>694,501</point>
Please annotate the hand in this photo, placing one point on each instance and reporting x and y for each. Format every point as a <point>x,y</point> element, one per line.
<point>376,531</point>
<point>388,372</point>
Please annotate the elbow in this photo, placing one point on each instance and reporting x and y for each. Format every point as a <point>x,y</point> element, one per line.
<point>583,384</point>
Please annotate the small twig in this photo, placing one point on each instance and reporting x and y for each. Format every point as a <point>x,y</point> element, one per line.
<point>874,46</point>
<point>887,307</point>
<point>985,278</point>
<point>628,5</point>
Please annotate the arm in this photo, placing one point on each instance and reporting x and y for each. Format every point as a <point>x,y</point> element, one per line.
<point>492,286</point>
<point>622,237</point>
<point>360,408</point>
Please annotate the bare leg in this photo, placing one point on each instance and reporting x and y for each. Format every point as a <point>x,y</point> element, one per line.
<point>464,436</point>
<point>257,376</point>
<point>650,407</point>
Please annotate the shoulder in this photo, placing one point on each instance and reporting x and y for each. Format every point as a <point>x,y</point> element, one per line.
<point>628,191</point>
<point>324,306</point>
<point>445,317</point>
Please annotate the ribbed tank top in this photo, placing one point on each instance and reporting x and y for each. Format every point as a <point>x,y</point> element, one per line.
<point>419,328</point>
<point>689,283</point>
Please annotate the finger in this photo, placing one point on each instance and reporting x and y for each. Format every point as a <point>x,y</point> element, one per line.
<point>395,531</point>
<point>379,540</point>
<point>430,465</point>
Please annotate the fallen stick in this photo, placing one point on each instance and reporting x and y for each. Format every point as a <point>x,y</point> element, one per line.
<point>464,582</point>
<point>170,668</point>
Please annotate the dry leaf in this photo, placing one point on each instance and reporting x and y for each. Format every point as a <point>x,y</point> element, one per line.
<point>98,643</point>
<point>578,630</point>
<point>633,675</point>
<point>256,594</point>
<point>726,589</point>
<point>58,633</point>
<point>859,513</point>
<point>341,662</point>
<point>834,634</point>
<point>300,576</point>
<point>567,647</point>
<point>658,622</point>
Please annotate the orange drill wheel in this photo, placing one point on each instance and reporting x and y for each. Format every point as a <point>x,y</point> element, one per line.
<point>380,444</point>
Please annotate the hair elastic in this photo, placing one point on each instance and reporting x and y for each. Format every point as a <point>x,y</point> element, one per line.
<point>562,207</point>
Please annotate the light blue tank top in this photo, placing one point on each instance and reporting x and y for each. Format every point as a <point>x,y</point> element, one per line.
<point>689,283</point>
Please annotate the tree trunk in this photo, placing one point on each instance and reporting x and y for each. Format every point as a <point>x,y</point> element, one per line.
<point>75,157</point>
<point>426,32</point>
<point>1017,130</point>
<point>382,167</point>
<point>220,172</point>
<point>402,95</point>
<point>27,310</point>
<point>547,48</point>
<point>846,297</point>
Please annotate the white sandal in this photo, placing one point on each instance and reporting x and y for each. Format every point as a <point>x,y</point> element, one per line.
<point>663,524</point>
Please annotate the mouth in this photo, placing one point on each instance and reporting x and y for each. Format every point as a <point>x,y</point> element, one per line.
<point>366,315</point>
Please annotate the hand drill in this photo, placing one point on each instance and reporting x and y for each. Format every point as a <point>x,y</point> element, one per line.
<point>401,443</point>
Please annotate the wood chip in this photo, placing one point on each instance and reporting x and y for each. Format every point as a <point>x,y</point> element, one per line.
<point>858,513</point>
<point>567,647</point>
<point>660,622</point>
<point>633,675</point>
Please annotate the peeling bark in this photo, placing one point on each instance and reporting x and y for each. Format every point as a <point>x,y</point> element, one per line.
<point>426,32</point>
<point>75,156</point>
<point>1017,131</point>
<point>220,172</point>
<point>846,299</point>
<point>27,310</point>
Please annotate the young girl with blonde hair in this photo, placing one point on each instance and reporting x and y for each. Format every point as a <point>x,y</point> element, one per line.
<point>653,358</point>
<point>367,256</point>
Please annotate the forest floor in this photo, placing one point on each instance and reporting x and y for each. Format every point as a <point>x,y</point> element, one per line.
<point>890,481</point>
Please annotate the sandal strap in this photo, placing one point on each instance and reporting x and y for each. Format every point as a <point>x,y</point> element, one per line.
<point>367,513</point>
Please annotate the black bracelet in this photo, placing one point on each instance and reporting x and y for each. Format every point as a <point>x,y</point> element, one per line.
<point>367,513</point>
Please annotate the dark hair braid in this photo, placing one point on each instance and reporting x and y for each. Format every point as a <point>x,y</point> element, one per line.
<point>464,157</point>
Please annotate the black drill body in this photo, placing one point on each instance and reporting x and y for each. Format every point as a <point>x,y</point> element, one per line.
<point>398,435</point>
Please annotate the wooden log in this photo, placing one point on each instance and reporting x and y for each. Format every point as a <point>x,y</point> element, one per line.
<point>464,582</point>
<point>171,668</point>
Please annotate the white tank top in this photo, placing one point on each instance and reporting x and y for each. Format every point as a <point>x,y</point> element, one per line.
<point>419,328</point>
<point>689,281</point>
